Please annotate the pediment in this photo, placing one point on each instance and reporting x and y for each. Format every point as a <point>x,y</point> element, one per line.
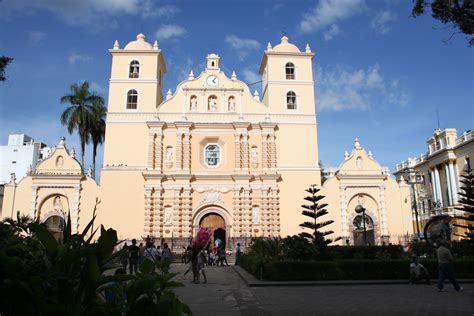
<point>360,163</point>
<point>59,162</point>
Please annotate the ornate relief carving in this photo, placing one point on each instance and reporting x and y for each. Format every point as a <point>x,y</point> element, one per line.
<point>231,105</point>
<point>254,156</point>
<point>193,104</point>
<point>59,162</point>
<point>169,157</point>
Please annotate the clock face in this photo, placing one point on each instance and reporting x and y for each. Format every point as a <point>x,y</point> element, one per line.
<point>212,81</point>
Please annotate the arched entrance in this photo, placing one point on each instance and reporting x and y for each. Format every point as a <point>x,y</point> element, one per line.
<point>358,231</point>
<point>216,224</point>
<point>56,225</point>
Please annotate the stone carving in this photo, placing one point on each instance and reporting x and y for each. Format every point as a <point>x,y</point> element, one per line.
<point>359,162</point>
<point>58,206</point>
<point>168,214</point>
<point>361,200</point>
<point>255,215</point>
<point>254,156</point>
<point>231,104</point>
<point>212,196</point>
<point>193,104</point>
<point>169,157</point>
<point>59,162</point>
<point>212,103</point>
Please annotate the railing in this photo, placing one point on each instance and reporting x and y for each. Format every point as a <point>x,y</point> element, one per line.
<point>468,135</point>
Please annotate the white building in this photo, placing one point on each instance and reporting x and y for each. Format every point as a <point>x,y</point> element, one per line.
<point>20,155</point>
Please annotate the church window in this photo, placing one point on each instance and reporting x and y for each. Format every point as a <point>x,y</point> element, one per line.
<point>290,71</point>
<point>134,69</point>
<point>132,99</point>
<point>291,100</point>
<point>212,155</point>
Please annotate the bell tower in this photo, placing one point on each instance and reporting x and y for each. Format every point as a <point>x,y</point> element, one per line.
<point>136,78</point>
<point>287,79</point>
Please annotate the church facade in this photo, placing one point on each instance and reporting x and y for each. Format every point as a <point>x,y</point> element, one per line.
<point>210,153</point>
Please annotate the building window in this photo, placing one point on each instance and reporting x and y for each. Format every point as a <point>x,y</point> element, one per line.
<point>132,99</point>
<point>134,69</point>
<point>290,71</point>
<point>291,100</point>
<point>467,164</point>
<point>212,155</point>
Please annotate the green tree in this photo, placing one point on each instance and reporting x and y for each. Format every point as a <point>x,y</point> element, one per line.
<point>459,14</point>
<point>314,211</point>
<point>467,205</point>
<point>4,61</point>
<point>97,127</point>
<point>78,115</point>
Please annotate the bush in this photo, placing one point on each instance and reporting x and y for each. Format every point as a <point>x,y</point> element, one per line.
<point>298,248</point>
<point>365,252</point>
<point>349,269</point>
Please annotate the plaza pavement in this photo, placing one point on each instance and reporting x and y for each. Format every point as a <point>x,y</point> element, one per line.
<point>227,294</point>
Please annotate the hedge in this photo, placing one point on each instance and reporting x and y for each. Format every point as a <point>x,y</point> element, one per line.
<point>344,269</point>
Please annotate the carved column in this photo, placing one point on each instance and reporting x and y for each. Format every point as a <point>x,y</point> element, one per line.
<point>264,152</point>
<point>383,214</point>
<point>344,214</point>
<point>247,212</point>
<point>265,214</point>
<point>245,151</point>
<point>157,212</point>
<point>454,185</point>
<point>151,150</point>
<point>75,209</point>
<point>438,186</point>
<point>237,210</point>
<point>179,151</point>
<point>448,183</point>
<point>34,213</point>
<point>275,209</point>
<point>237,154</point>
<point>272,145</point>
<point>187,213</point>
<point>148,216</point>
<point>177,213</point>
<point>187,151</point>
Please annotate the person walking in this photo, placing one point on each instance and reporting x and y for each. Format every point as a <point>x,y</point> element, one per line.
<point>134,253</point>
<point>201,262</point>
<point>446,267</point>
<point>166,254</point>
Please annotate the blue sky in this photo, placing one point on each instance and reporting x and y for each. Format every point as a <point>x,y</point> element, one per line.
<point>380,74</point>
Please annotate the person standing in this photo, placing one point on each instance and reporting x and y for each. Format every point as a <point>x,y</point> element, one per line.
<point>151,254</point>
<point>141,252</point>
<point>238,252</point>
<point>134,253</point>
<point>446,267</point>
<point>124,257</point>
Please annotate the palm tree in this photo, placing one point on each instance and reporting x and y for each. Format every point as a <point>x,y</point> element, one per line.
<point>78,115</point>
<point>97,127</point>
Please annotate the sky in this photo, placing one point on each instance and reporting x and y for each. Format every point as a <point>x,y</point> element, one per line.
<point>380,74</point>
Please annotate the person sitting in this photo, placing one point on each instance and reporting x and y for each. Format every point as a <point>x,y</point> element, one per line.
<point>418,272</point>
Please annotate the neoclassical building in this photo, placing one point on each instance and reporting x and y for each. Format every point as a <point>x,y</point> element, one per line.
<point>435,175</point>
<point>210,153</point>
<point>361,180</point>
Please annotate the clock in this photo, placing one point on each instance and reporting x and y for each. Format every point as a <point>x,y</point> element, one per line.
<point>212,81</point>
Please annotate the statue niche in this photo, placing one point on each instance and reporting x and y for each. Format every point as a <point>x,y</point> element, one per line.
<point>212,103</point>
<point>193,104</point>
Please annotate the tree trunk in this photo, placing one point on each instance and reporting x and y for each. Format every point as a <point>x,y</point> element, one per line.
<point>83,145</point>
<point>94,153</point>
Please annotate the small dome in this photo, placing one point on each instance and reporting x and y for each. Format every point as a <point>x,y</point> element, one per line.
<point>286,47</point>
<point>139,44</point>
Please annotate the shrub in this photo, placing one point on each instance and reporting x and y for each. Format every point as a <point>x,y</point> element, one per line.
<point>298,248</point>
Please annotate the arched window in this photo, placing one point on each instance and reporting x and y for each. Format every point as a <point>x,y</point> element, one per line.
<point>134,70</point>
<point>291,100</point>
<point>212,155</point>
<point>290,71</point>
<point>132,99</point>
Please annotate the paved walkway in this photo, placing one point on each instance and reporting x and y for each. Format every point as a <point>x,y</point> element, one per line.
<point>226,294</point>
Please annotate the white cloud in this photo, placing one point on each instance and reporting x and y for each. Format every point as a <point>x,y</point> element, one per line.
<point>331,32</point>
<point>97,88</point>
<point>91,14</point>
<point>250,76</point>
<point>167,31</point>
<point>77,58</point>
<point>327,13</point>
<point>381,20</point>
<point>342,88</point>
<point>36,37</point>
<point>242,45</point>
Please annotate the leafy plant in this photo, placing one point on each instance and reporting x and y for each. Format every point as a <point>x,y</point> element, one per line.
<point>467,206</point>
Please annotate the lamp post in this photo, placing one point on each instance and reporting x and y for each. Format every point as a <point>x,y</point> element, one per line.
<point>360,209</point>
<point>416,179</point>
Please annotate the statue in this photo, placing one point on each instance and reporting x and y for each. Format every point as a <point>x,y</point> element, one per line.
<point>58,206</point>
<point>193,106</point>
<point>361,200</point>
<point>255,215</point>
<point>359,163</point>
<point>212,103</point>
<point>169,154</point>
<point>254,154</point>
<point>231,104</point>
<point>168,214</point>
